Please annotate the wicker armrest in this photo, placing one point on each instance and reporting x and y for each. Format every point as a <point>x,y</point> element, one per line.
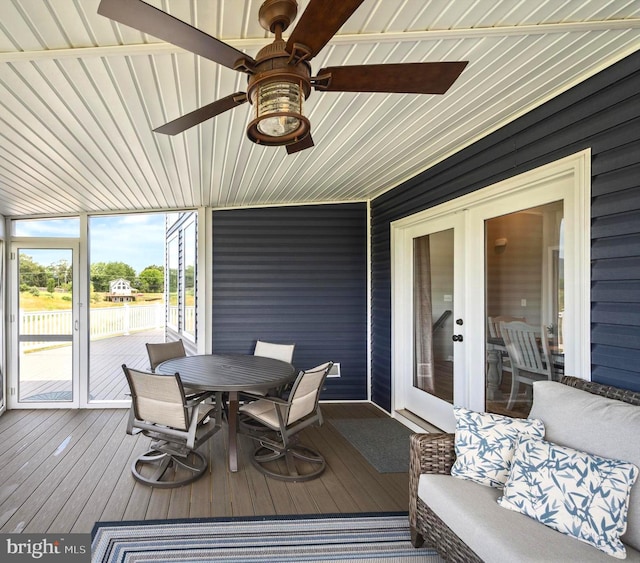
<point>432,453</point>
<point>428,453</point>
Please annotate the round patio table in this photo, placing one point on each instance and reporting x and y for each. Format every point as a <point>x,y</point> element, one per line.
<point>230,374</point>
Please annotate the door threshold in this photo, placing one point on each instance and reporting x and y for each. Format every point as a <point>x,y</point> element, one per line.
<point>414,422</point>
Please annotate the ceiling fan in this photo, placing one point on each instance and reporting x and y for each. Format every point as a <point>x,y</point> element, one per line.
<point>280,78</point>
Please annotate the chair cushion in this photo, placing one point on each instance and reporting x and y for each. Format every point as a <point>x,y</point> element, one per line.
<point>576,493</point>
<point>591,423</point>
<point>500,535</point>
<point>283,352</point>
<point>485,443</point>
<point>263,411</point>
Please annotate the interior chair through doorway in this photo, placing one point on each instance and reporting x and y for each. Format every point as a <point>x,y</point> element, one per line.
<point>528,350</point>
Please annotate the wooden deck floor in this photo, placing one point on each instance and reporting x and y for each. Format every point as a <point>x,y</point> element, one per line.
<point>63,470</point>
<point>46,374</point>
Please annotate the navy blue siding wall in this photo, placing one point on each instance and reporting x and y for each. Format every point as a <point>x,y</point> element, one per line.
<point>602,113</point>
<point>295,275</point>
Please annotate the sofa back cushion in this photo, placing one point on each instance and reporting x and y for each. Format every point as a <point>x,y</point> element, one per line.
<point>594,424</point>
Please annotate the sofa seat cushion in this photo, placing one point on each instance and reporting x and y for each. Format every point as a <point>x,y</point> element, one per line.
<point>500,535</point>
<point>591,423</point>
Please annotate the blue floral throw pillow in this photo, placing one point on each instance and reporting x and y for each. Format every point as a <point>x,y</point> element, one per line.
<point>573,492</point>
<point>485,443</point>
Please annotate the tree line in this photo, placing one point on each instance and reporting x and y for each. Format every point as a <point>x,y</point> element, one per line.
<point>149,280</point>
<point>60,275</point>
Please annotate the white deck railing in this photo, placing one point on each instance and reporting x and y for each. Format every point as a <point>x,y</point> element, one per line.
<point>104,322</point>
<point>189,321</point>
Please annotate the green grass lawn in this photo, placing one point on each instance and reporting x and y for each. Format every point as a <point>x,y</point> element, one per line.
<point>62,301</point>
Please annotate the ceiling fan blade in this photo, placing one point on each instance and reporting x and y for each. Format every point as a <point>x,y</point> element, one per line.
<point>148,19</point>
<point>407,78</point>
<point>202,114</point>
<point>320,22</point>
<point>305,143</point>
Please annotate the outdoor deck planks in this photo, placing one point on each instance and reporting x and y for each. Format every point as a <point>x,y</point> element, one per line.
<point>45,487</point>
<point>106,356</point>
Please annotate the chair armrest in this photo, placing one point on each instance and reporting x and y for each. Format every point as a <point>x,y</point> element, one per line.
<point>275,400</point>
<point>197,398</point>
<point>251,396</point>
<point>428,453</point>
<point>432,453</point>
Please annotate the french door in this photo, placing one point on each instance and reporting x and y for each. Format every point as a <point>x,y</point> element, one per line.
<point>434,330</point>
<point>45,323</point>
<point>507,251</point>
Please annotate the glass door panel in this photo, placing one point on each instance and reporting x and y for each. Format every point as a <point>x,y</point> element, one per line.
<point>524,283</point>
<point>126,304</point>
<point>428,324</point>
<point>46,325</point>
<point>2,329</point>
<point>190,280</point>
<point>433,314</point>
<point>173,257</point>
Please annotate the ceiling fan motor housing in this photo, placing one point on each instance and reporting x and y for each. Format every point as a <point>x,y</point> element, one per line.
<point>274,13</point>
<point>277,88</point>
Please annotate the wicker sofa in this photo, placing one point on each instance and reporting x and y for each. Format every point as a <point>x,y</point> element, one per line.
<point>462,519</point>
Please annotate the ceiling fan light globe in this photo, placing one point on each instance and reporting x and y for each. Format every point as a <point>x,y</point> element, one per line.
<point>277,97</point>
<point>278,126</point>
<point>278,118</point>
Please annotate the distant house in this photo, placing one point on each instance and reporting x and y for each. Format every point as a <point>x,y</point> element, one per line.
<point>120,291</point>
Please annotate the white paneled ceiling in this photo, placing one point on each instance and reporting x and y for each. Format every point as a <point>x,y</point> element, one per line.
<point>80,95</point>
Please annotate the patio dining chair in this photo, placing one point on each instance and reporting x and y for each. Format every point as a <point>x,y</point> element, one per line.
<point>528,350</point>
<point>178,425</point>
<point>162,351</point>
<point>159,352</point>
<point>286,418</point>
<point>282,352</point>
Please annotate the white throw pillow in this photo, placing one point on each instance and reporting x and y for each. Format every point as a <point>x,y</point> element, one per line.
<point>485,443</point>
<point>573,492</point>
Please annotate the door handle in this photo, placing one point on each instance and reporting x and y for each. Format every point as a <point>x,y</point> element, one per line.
<point>76,325</point>
<point>457,338</point>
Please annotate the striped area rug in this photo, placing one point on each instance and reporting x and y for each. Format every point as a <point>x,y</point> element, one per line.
<point>357,538</point>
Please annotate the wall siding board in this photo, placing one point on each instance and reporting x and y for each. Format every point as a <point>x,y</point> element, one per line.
<point>615,158</point>
<point>616,203</point>
<point>615,357</point>
<point>627,314</point>
<point>615,269</point>
<point>601,113</point>
<point>616,377</point>
<point>615,225</point>
<point>295,275</point>
<point>616,292</point>
<point>612,335</point>
<point>617,181</point>
<point>604,113</point>
<point>616,247</point>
